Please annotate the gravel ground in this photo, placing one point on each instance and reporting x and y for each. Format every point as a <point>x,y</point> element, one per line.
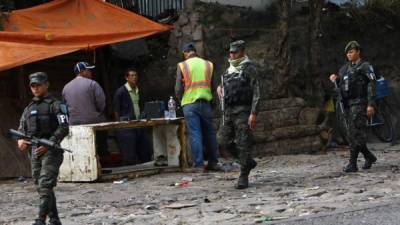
<point>282,187</point>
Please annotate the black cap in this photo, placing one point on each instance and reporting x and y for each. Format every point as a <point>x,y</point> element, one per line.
<point>37,78</point>
<point>188,47</point>
<point>236,46</point>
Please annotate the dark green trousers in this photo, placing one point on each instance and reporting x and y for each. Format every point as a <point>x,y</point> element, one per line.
<point>45,171</point>
<point>235,135</point>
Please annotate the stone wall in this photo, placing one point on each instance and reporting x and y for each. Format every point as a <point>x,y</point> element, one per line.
<point>287,126</point>
<point>284,126</point>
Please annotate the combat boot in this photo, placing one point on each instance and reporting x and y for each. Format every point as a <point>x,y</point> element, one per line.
<point>55,222</point>
<point>39,222</point>
<point>213,166</point>
<point>352,165</point>
<point>243,181</point>
<point>369,158</point>
<point>252,164</point>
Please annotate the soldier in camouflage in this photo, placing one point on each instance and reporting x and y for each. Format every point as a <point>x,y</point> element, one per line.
<point>240,91</point>
<point>356,82</point>
<point>44,117</point>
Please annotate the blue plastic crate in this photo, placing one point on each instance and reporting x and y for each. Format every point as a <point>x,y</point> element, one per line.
<point>381,88</point>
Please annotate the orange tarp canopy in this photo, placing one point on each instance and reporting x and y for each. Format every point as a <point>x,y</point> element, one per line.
<point>64,26</point>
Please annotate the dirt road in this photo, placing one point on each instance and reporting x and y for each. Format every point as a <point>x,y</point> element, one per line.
<point>281,187</point>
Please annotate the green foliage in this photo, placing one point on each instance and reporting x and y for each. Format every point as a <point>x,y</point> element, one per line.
<point>375,13</point>
<point>388,7</point>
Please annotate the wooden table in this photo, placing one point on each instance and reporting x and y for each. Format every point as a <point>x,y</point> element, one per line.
<point>83,164</point>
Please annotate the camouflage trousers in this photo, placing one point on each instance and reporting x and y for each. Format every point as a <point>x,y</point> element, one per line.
<point>356,133</point>
<point>45,171</point>
<point>236,136</point>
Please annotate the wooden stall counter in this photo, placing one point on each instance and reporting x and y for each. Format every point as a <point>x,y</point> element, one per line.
<point>83,164</point>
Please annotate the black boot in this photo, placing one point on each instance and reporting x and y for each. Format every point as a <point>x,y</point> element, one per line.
<point>54,222</point>
<point>39,222</point>
<point>352,165</point>
<point>243,181</point>
<point>252,164</point>
<point>369,158</point>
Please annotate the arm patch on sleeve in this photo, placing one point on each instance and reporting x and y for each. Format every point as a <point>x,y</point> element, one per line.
<point>62,117</point>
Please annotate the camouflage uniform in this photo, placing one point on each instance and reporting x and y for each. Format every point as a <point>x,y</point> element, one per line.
<point>46,117</point>
<point>357,85</point>
<point>241,97</point>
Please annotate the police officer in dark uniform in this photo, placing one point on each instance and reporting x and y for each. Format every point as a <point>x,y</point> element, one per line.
<point>44,117</point>
<point>240,91</point>
<point>356,82</point>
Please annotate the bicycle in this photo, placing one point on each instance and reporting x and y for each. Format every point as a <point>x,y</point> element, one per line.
<point>380,123</point>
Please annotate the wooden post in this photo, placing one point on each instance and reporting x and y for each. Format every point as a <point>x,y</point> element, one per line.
<point>183,141</point>
<point>106,82</point>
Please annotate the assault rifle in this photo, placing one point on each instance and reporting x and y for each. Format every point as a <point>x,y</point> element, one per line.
<point>222,100</point>
<point>341,105</point>
<point>34,141</point>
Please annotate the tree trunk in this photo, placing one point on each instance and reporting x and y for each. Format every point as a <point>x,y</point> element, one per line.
<point>283,57</point>
<point>314,46</point>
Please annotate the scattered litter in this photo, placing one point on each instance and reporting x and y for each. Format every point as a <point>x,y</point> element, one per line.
<point>206,200</point>
<point>150,207</point>
<point>21,179</point>
<point>266,218</point>
<point>182,183</point>
<point>305,214</point>
<point>227,167</point>
<point>316,194</point>
<point>121,181</point>
<point>313,188</point>
<point>190,179</point>
<point>280,217</point>
<point>180,205</point>
<point>244,196</point>
<point>226,177</point>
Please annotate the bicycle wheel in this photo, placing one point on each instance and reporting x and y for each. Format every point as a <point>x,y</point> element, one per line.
<point>384,128</point>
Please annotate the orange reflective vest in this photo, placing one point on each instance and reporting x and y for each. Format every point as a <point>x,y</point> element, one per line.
<point>196,76</point>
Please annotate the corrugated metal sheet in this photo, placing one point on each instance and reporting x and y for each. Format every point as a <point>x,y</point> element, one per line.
<point>150,8</point>
<point>154,8</point>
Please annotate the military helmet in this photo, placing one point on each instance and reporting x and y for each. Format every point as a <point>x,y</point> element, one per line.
<point>37,78</point>
<point>352,45</point>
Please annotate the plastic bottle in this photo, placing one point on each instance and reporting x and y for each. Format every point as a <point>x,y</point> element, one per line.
<point>172,108</point>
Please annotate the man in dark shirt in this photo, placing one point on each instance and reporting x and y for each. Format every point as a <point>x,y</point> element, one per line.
<point>133,143</point>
